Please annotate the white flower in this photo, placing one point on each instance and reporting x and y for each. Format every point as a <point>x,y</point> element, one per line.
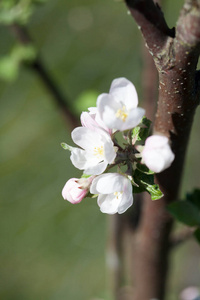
<point>190,293</point>
<point>92,120</point>
<point>97,150</point>
<point>115,192</point>
<point>118,109</point>
<point>157,154</point>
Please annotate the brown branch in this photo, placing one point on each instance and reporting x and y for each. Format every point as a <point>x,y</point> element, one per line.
<point>149,85</point>
<point>150,20</point>
<point>114,255</point>
<point>37,65</point>
<point>180,237</point>
<point>176,59</point>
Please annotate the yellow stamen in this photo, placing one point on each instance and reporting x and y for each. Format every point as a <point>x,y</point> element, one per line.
<point>122,114</point>
<point>99,151</point>
<point>118,194</point>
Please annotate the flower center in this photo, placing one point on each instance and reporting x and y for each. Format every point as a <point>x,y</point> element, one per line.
<point>118,195</point>
<point>122,113</point>
<point>99,152</point>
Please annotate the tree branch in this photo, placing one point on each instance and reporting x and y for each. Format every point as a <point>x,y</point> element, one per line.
<point>181,236</point>
<point>37,65</point>
<point>176,59</point>
<point>150,20</point>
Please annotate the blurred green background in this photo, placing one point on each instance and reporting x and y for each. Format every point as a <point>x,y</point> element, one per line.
<point>49,248</point>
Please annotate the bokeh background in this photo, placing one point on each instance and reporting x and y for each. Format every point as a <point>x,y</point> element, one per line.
<point>50,249</point>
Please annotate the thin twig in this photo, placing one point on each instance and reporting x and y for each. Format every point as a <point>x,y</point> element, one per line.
<point>37,65</point>
<point>181,236</point>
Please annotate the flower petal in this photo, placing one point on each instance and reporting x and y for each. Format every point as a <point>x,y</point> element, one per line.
<point>86,138</point>
<point>157,154</point>
<point>134,118</point>
<point>124,91</point>
<point>87,120</point>
<point>109,152</point>
<point>96,169</point>
<point>127,197</point>
<point>79,158</point>
<point>108,203</point>
<point>107,183</point>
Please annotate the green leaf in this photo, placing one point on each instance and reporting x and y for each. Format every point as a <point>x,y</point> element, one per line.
<point>9,64</point>
<point>154,191</point>
<point>135,133</point>
<point>144,169</point>
<point>194,198</point>
<point>141,132</point>
<point>85,176</point>
<point>144,132</point>
<point>91,196</point>
<point>8,69</point>
<point>142,180</point>
<point>66,147</point>
<point>17,11</point>
<point>185,212</point>
<point>197,235</point>
<point>23,53</point>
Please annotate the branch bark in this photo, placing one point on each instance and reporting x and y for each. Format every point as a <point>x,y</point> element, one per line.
<point>175,56</point>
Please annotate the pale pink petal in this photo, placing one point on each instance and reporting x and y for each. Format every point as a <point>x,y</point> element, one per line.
<point>124,91</point>
<point>87,120</point>
<point>73,192</point>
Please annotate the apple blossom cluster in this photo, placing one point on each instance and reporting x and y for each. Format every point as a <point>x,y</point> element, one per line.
<point>114,134</point>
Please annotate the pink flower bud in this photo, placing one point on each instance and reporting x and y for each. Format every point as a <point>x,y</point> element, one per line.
<point>73,191</point>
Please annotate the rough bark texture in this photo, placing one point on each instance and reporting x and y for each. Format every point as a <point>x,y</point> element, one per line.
<point>175,54</point>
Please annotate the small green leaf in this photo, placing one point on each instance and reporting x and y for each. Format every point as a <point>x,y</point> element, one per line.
<point>17,11</point>
<point>24,53</point>
<point>85,176</point>
<point>8,69</point>
<point>144,132</point>
<point>142,180</point>
<point>91,196</point>
<point>141,132</point>
<point>144,169</point>
<point>194,198</point>
<point>66,147</point>
<point>185,212</point>
<point>135,133</point>
<point>197,235</point>
<point>9,64</point>
<point>154,191</point>
<point>95,195</point>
